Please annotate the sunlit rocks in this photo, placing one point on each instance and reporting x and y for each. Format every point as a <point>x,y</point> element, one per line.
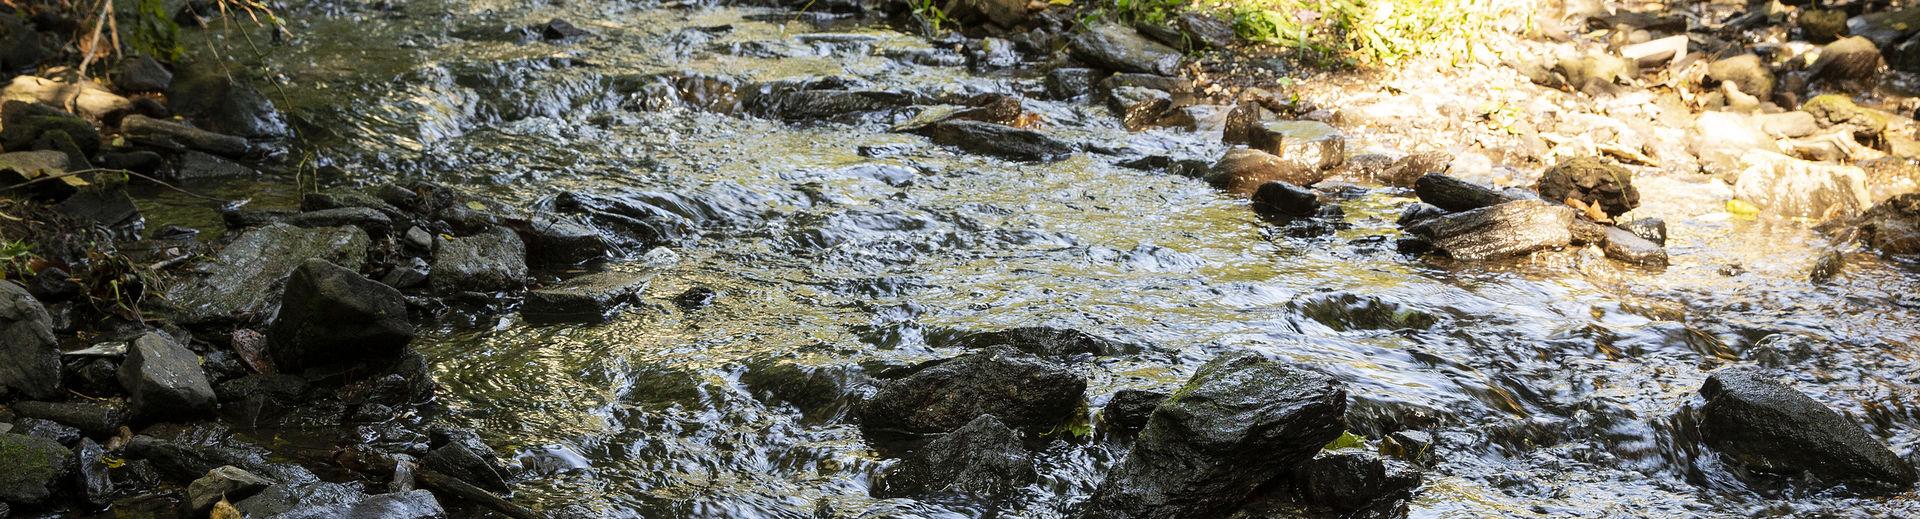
<point>1241,421</point>
<point>1893,226</point>
<point>1454,195</point>
<point>1119,48</point>
<point>997,140</point>
<point>1590,181</point>
<point>1242,171</point>
<point>1507,230</point>
<point>243,279</point>
<point>490,261</point>
<point>1025,392</point>
<point>1765,426</point>
<point>1851,58</point>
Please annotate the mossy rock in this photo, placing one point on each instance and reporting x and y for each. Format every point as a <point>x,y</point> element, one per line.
<point>33,467</point>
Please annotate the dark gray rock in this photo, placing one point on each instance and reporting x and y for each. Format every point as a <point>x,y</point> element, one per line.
<point>1190,32</point>
<point>308,500</point>
<point>464,457</point>
<point>141,74</point>
<point>1851,58</point>
<point>411,273</point>
<point>217,101</point>
<point>1623,245</point>
<point>244,280</point>
<point>492,261</point>
<point>20,45</point>
<point>1344,311</point>
<point>97,419</point>
<point>332,316</point>
<point>164,380</point>
<point>1128,410</point>
<point>1591,181</point>
<point>1455,195</point>
<point>562,240</point>
<point>225,482</point>
<point>1309,144</point>
<point>103,201</point>
<point>1765,426</point>
<point>558,29</point>
<point>194,165</point>
<point>1049,342</point>
<point>1412,446</point>
<point>35,468</point>
<point>1351,479</point>
<point>1418,212</point>
<point>1822,25</point>
<point>90,467</point>
<point>1070,83</point>
<point>1022,390</point>
<point>1121,49</point>
<point>1285,199</point>
<point>41,428</point>
<point>26,123</point>
<point>1508,230</point>
<point>984,459</point>
<point>997,140</point>
<point>795,104</point>
<point>413,504</point>
<point>29,354</point>
<point>1243,170</point>
<point>375,223</point>
<point>1241,421</point>
<point>1139,108</point>
<point>590,297</point>
<point>820,392</point>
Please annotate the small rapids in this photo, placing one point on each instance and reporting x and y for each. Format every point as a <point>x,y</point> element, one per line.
<point>809,247</point>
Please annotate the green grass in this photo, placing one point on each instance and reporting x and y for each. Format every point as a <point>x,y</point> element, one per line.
<point>1359,32</point>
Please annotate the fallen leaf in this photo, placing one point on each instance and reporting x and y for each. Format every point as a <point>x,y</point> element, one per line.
<point>225,510</point>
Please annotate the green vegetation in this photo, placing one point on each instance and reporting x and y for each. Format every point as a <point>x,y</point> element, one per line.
<point>1355,32</point>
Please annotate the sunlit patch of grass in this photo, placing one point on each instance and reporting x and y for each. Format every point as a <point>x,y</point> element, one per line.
<point>1355,32</point>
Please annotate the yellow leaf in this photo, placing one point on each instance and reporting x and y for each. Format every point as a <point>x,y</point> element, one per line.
<point>477,206</point>
<point>1742,207</point>
<point>225,510</point>
<point>1061,2</point>
<point>112,462</point>
<point>74,180</point>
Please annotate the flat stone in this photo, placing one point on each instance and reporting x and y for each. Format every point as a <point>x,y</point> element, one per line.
<point>1624,245</point>
<point>226,482</point>
<point>1508,230</point>
<point>173,135</point>
<point>244,280</point>
<point>165,380</point>
<point>1121,49</point>
<point>588,297</point>
<point>492,261</point>
<point>36,467</point>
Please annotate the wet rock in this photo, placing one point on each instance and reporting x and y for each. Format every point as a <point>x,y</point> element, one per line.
<point>1893,226</point>
<point>172,135</point>
<point>314,500</point>
<point>53,285</point>
<point>1624,245</point>
<point>1411,446</point>
<point>984,458</point>
<point>226,482</point>
<point>1765,426</point>
<point>1650,229</point>
<point>1591,181</point>
<point>1351,479</point>
<point>1192,460</point>
<point>818,392</point>
<point>164,380</point>
<point>1121,49</point>
<point>1025,392</point>
<point>1822,25</point>
<point>1286,199</point>
<point>194,165</point>
<point>558,29</point>
<point>794,104</point>
<point>1786,186</point>
<point>85,98</point>
<point>1418,212</point>
<point>1128,410</point>
<point>997,140</point>
<point>20,46</point>
<point>414,504</point>
<point>1004,13</point>
<point>90,467</point>
<point>488,262</point>
<point>24,124</point>
<point>1852,58</point>
<point>331,315</point>
<point>1746,72</point>
<point>1243,170</point>
<point>695,298</point>
<point>47,429</point>
<point>464,457</point>
<point>591,297</point>
<point>375,223</point>
<point>1139,107</point>
<point>1055,343</point>
<point>1241,122</point>
<point>35,468</point>
<point>1311,144</point>
<point>1343,311</point>
<point>562,240</point>
<point>1070,83</point>
<point>141,74</point>
<point>243,280</point>
<point>1455,195</point>
<point>104,201</point>
<point>1506,230</point>
<point>95,419</point>
<point>223,104</point>
<point>29,353</point>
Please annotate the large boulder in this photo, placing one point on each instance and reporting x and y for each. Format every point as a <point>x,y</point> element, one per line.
<point>29,354</point>
<point>35,468</point>
<point>243,280</point>
<point>165,380</point>
<point>1765,426</point>
<point>1241,421</point>
<point>997,139</point>
<point>1121,49</point>
<point>1893,226</point>
<point>1591,181</point>
<point>331,316</point>
<point>217,101</point>
<point>1243,170</point>
<point>1507,230</point>
<point>1025,392</point>
<point>491,261</point>
<point>985,458</point>
<point>1790,187</point>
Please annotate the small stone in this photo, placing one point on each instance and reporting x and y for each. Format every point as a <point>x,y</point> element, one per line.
<point>1138,107</point>
<point>226,482</point>
<point>1651,229</point>
<point>1455,195</point>
<point>558,29</point>
<point>1822,25</point>
<point>141,74</point>
<point>1286,199</point>
<point>1024,391</point>
<point>1851,58</point>
<point>491,261</point>
<point>983,458</point>
<point>1070,83</point>
<point>1412,446</point>
<point>29,353</point>
<point>1311,144</point>
<point>590,297</point>
<point>1508,230</point>
<point>165,380</point>
<point>1624,245</point>
<point>1121,49</point>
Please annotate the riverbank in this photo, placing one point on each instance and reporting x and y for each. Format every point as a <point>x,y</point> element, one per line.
<point>606,260</point>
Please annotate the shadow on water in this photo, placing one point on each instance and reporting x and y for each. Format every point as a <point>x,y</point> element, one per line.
<point>1555,386</point>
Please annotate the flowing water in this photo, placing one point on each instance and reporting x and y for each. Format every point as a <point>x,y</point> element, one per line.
<point>1553,385</point>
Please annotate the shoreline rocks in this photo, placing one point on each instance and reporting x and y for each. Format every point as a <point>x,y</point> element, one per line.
<point>1768,427</point>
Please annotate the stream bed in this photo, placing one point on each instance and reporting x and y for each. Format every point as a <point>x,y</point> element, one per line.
<point>808,252</point>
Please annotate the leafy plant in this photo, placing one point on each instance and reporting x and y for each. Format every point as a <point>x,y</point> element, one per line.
<point>930,13</point>
<point>154,32</point>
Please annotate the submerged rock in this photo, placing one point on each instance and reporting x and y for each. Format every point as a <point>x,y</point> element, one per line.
<point>590,297</point>
<point>1351,479</point>
<point>1591,181</point>
<point>35,468</point>
<point>1893,226</point>
<point>165,380</point>
<point>1507,230</point>
<point>1121,49</point>
<point>1048,342</point>
<point>1344,311</point>
<point>1765,426</point>
<point>997,140</point>
<point>1025,392</point>
<point>491,261</point>
<point>29,353</point>
<point>1241,421</point>
<point>983,459</point>
<point>243,280</point>
<point>331,316</point>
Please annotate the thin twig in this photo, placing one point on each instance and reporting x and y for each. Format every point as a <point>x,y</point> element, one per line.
<point>162,183</point>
